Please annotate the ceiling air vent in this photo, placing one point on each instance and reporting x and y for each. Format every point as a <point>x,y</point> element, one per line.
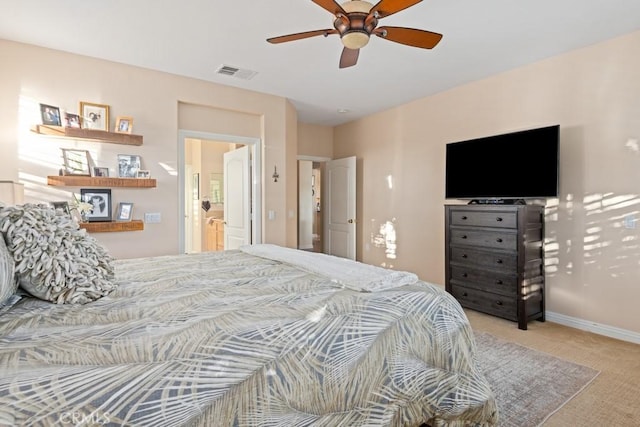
<point>228,70</point>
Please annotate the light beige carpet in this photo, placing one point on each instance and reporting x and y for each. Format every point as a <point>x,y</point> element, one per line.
<point>529,385</point>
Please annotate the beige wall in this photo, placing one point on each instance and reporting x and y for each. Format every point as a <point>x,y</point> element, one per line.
<point>593,261</point>
<point>315,140</point>
<point>32,75</point>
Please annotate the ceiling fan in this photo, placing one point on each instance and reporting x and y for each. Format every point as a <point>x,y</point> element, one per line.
<point>356,20</point>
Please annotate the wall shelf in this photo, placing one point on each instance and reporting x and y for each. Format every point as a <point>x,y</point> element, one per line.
<point>88,134</point>
<point>112,226</point>
<point>99,181</point>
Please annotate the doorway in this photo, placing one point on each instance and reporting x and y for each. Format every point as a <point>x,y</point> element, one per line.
<point>199,184</point>
<point>310,223</point>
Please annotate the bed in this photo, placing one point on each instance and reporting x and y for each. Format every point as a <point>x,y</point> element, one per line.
<point>259,336</point>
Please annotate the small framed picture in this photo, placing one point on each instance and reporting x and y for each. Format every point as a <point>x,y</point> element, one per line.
<point>128,165</point>
<point>76,162</point>
<point>124,124</point>
<point>143,174</point>
<point>125,210</point>
<point>102,172</point>
<point>71,120</point>
<point>94,116</point>
<point>50,115</point>
<point>61,206</point>
<point>100,199</point>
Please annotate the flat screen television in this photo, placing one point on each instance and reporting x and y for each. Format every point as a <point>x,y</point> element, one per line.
<point>504,168</point>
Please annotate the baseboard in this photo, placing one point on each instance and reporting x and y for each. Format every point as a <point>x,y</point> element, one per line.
<point>596,328</point>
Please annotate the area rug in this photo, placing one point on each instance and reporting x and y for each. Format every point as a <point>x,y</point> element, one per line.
<point>529,385</point>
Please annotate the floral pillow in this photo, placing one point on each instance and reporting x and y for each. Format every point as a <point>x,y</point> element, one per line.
<point>54,259</point>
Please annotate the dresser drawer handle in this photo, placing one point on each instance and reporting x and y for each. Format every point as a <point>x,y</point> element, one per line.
<point>464,218</point>
<point>465,275</point>
<point>464,294</point>
<point>499,219</point>
<point>499,282</point>
<point>498,302</point>
<point>464,236</point>
<point>499,240</point>
<point>464,256</point>
<point>498,261</point>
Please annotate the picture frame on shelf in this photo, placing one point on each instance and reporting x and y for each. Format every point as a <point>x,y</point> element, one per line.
<point>94,116</point>
<point>72,120</point>
<point>50,115</point>
<point>62,206</point>
<point>125,211</point>
<point>100,198</point>
<point>124,124</point>
<point>143,173</point>
<point>76,162</point>
<point>128,165</point>
<point>101,172</point>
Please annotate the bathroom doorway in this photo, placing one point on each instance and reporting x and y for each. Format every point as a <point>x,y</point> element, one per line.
<point>310,220</point>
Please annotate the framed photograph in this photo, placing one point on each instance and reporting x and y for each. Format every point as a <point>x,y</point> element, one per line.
<point>94,116</point>
<point>62,206</point>
<point>100,199</point>
<point>50,115</point>
<point>128,165</point>
<point>76,162</point>
<point>100,171</point>
<point>71,120</point>
<point>125,210</point>
<point>124,124</point>
<point>143,174</point>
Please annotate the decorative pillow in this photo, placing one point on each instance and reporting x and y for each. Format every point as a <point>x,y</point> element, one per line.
<point>54,259</point>
<point>8,283</point>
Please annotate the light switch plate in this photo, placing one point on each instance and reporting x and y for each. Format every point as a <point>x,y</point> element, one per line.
<point>152,218</point>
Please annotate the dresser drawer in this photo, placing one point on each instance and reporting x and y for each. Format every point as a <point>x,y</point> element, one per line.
<point>506,262</point>
<point>486,302</point>
<point>485,280</point>
<point>502,239</point>
<point>484,219</point>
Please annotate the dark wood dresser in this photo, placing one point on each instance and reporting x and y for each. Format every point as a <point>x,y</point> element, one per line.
<point>495,259</point>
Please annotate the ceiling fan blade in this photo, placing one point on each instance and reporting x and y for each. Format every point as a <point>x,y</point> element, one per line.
<point>298,36</point>
<point>409,36</point>
<point>349,57</point>
<point>330,5</point>
<point>389,7</point>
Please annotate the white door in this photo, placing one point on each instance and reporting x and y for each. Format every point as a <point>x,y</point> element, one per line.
<point>340,208</point>
<point>237,198</point>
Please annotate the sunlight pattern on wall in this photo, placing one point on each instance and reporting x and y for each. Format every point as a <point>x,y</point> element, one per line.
<point>597,215</point>
<point>40,156</point>
<point>384,236</point>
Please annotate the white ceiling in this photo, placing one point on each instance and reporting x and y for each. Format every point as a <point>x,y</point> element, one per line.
<point>195,37</point>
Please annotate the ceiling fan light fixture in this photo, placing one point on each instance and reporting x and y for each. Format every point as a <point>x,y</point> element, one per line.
<point>356,20</point>
<point>355,39</point>
<point>357,6</point>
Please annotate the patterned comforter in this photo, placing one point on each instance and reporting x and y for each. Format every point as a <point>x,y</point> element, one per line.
<point>262,336</point>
